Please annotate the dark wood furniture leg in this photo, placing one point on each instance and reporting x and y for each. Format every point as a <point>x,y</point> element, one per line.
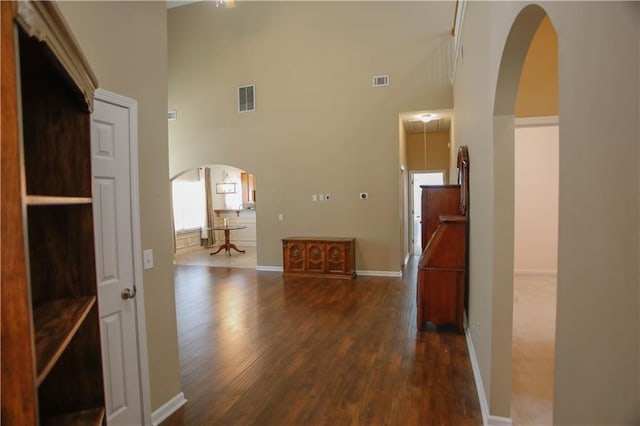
<point>227,246</point>
<point>233,246</point>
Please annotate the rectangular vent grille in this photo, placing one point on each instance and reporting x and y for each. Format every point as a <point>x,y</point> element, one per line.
<point>380,80</point>
<point>247,98</point>
<point>172,115</point>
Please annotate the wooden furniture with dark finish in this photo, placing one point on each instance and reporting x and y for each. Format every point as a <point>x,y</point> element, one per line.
<point>442,273</point>
<point>319,257</point>
<point>437,200</point>
<point>51,359</point>
<point>227,245</point>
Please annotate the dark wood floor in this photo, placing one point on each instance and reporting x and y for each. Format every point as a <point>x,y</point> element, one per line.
<point>258,348</point>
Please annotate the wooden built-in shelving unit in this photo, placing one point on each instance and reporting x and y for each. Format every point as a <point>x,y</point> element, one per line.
<point>51,357</point>
<point>55,323</point>
<point>81,418</point>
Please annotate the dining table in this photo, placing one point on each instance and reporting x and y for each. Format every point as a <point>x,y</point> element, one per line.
<point>227,245</point>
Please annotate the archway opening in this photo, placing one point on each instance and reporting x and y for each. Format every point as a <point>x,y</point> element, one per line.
<point>526,169</point>
<point>214,217</point>
<point>536,190</point>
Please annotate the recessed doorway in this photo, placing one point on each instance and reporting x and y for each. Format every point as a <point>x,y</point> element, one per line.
<point>417,179</point>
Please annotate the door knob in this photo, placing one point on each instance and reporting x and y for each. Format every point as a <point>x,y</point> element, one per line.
<point>127,293</point>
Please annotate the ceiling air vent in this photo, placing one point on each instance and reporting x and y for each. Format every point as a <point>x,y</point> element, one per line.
<point>172,115</point>
<point>380,80</point>
<point>247,98</point>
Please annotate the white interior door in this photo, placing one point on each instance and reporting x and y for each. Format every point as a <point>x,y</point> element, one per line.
<point>417,179</point>
<point>115,263</point>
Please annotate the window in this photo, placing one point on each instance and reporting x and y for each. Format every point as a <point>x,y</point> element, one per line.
<point>188,204</point>
<point>246,98</point>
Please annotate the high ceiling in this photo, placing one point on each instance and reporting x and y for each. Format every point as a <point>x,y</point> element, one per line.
<point>411,120</point>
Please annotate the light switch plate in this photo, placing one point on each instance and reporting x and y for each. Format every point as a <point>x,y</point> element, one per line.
<point>148,259</point>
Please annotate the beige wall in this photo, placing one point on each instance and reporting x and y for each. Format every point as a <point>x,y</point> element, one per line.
<point>538,90</point>
<point>596,369</point>
<point>536,200</point>
<point>434,157</point>
<point>319,126</point>
<point>125,43</point>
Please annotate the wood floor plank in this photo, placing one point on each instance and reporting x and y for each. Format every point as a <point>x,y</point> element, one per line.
<point>259,348</point>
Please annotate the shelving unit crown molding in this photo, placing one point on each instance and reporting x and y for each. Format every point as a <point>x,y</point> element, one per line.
<point>43,20</point>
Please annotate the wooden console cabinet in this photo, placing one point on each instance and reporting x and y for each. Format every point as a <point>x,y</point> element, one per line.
<point>319,257</point>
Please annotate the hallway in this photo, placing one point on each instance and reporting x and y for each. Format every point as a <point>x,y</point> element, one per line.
<point>257,348</point>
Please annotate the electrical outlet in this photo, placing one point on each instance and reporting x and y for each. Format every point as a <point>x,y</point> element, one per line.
<point>321,197</point>
<point>280,216</point>
<point>314,197</point>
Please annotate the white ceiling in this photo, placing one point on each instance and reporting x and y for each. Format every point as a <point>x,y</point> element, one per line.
<point>413,124</point>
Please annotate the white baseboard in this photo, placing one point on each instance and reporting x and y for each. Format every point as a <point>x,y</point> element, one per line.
<point>269,268</point>
<point>540,121</point>
<point>394,274</point>
<point>499,421</point>
<point>487,419</point>
<point>545,272</point>
<point>167,409</point>
<point>482,398</point>
<point>406,259</point>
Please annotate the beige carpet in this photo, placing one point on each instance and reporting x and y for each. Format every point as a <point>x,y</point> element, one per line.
<point>534,318</point>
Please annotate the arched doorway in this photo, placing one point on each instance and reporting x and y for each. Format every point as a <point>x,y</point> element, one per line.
<point>531,401</point>
<point>205,201</point>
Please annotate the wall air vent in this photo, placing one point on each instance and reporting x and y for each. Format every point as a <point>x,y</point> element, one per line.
<point>380,80</point>
<point>247,98</point>
<point>172,115</point>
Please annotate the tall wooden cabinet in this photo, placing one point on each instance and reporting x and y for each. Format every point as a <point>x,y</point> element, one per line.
<point>437,200</point>
<point>442,271</point>
<point>51,361</point>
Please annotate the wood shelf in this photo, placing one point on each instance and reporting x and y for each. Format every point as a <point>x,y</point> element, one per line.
<point>49,200</point>
<point>55,323</point>
<point>89,417</point>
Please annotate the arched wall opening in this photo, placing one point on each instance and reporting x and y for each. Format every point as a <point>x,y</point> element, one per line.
<point>596,352</point>
<point>512,63</point>
<point>536,189</point>
<point>206,199</point>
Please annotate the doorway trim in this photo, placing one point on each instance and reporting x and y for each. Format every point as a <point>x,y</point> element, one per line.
<point>412,201</point>
<point>143,359</point>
